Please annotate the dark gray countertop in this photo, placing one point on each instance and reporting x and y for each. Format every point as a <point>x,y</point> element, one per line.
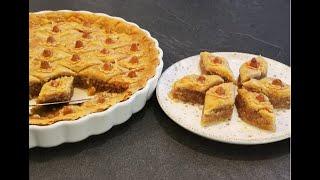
<point>150,145</point>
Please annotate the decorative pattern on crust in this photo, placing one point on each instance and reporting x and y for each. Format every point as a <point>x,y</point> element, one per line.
<point>73,43</point>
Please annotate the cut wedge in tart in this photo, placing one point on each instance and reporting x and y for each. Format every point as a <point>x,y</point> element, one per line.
<point>56,90</point>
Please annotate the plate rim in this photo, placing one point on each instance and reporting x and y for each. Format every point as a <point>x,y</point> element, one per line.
<point>215,138</point>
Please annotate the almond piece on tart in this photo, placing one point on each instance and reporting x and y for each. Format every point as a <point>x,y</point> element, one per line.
<point>255,109</point>
<point>56,90</point>
<point>256,68</point>
<point>211,64</point>
<point>277,91</point>
<point>192,88</point>
<point>218,104</point>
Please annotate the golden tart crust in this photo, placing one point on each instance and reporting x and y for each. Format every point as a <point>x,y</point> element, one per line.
<point>111,54</point>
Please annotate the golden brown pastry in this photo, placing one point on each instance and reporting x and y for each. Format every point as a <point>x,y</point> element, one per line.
<point>192,88</point>
<point>277,91</point>
<point>211,64</point>
<point>256,68</point>
<point>218,104</point>
<point>56,90</point>
<point>255,109</point>
<point>100,53</point>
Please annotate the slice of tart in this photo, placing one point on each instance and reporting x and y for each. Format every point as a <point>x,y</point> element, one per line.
<point>277,91</point>
<point>218,104</point>
<point>192,88</point>
<point>99,76</point>
<point>56,90</point>
<point>211,64</point>
<point>256,68</point>
<point>255,109</point>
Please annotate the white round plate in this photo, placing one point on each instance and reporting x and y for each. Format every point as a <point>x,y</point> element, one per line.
<point>234,131</point>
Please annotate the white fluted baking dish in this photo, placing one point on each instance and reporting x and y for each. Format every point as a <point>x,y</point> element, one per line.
<point>99,122</point>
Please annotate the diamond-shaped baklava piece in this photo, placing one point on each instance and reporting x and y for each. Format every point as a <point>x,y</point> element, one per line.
<point>50,54</point>
<point>98,76</point>
<point>255,109</point>
<point>45,70</point>
<point>192,88</point>
<point>56,90</point>
<point>256,68</point>
<point>79,62</point>
<point>212,64</point>
<point>277,91</point>
<point>218,104</point>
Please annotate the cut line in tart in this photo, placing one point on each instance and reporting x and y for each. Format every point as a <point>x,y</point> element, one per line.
<point>277,91</point>
<point>218,104</point>
<point>217,65</point>
<point>256,68</point>
<point>192,88</point>
<point>255,109</point>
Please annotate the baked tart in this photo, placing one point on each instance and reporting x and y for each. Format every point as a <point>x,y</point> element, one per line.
<point>108,56</point>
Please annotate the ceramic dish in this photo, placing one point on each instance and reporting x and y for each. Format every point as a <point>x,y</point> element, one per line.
<point>99,122</point>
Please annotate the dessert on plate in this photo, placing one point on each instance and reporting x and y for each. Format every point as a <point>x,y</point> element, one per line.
<point>192,88</point>
<point>277,91</point>
<point>255,109</point>
<point>109,57</point>
<point>218,104</point>
<point>256,68</point>
<point>212,64</point>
